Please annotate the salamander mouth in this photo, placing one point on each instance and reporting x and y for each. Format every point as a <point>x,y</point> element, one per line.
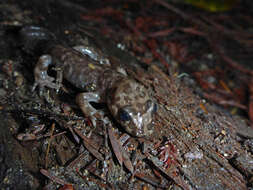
<point>132,122</point>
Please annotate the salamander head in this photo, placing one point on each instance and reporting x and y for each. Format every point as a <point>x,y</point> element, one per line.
<point>131,105</point>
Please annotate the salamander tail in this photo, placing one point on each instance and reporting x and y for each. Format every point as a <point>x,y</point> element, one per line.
<point>35,39</point>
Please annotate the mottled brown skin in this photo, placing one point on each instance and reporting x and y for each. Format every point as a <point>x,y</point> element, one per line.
<point>133,97</point>
<point>127,100</point>
<point>83,72</point>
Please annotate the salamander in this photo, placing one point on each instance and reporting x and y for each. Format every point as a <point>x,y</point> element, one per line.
<point>127,100</point>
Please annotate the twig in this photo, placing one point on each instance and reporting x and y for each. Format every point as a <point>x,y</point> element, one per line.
<point>53,178</point>
<point>182,14</point>
<point>42,113</point>
<point>49,143</point>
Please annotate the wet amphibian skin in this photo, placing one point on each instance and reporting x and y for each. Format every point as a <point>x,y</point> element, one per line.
<point>127,100</point>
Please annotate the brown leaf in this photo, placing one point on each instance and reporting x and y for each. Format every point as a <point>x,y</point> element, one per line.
<point>89,146</point>
<point>119,151</point>
<point>149,179</point>
<point>116,146</point>
<point>127,162</point>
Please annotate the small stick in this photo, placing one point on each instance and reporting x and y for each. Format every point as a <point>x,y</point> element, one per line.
<point>53,178</point>
<point>49,143</point>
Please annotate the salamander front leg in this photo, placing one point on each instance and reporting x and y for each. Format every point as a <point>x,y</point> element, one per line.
<point>42,79</point>
<point>83,100</point>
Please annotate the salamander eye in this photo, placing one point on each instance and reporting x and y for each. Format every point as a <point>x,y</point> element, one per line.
<point>154,108</point>
<point>124,115</point>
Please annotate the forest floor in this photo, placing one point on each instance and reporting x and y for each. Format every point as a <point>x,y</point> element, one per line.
<point>196,66</point>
